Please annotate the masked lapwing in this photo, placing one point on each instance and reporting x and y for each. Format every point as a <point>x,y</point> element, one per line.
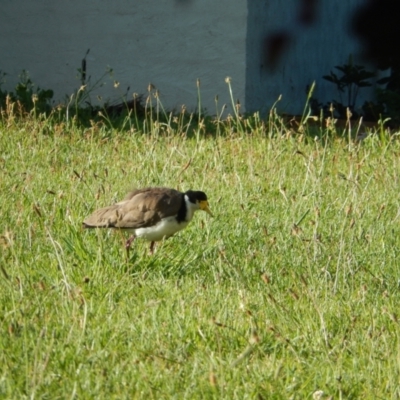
<point>153,214</point>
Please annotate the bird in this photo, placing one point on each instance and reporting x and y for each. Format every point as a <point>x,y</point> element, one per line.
<point>152,213</point>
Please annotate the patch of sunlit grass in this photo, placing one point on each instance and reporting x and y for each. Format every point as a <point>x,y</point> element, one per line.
<point>290,291</point>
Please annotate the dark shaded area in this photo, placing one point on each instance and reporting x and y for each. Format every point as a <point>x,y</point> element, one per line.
<point>377,25</point>
<point>307,11</point>
<point>275,44</point>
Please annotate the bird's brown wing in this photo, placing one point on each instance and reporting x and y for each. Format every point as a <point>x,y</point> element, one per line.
<point>141,208</point>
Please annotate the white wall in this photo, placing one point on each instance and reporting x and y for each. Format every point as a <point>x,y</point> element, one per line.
<point>170,43</point>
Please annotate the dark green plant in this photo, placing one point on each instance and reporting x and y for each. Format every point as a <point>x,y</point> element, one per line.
<point>390,99</point>
<point>373,110</point>
<point>27,96</point>
<point>352,79</point>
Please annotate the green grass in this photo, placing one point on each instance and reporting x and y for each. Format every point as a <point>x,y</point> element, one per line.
<point>292,288</point>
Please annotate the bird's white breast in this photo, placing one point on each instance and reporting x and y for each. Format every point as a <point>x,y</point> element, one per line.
<point>164,229</point>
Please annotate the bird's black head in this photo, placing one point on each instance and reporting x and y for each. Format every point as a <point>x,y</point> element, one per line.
<point>200,198</point>
<point>196,196</point>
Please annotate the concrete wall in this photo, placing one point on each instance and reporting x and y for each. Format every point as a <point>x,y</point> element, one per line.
<point>166,42</point>
<point>172,43</point>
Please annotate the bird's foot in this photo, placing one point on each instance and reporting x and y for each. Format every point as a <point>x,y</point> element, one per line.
<point>129,242</point>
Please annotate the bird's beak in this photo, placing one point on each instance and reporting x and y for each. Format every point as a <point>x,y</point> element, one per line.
<point>204,206</point>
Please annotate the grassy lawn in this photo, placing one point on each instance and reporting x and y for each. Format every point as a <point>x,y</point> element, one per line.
<point>291,289</point>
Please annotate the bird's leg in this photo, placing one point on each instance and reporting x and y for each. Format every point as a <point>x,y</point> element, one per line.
<point>128,244</point>
<point>152,247</point>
